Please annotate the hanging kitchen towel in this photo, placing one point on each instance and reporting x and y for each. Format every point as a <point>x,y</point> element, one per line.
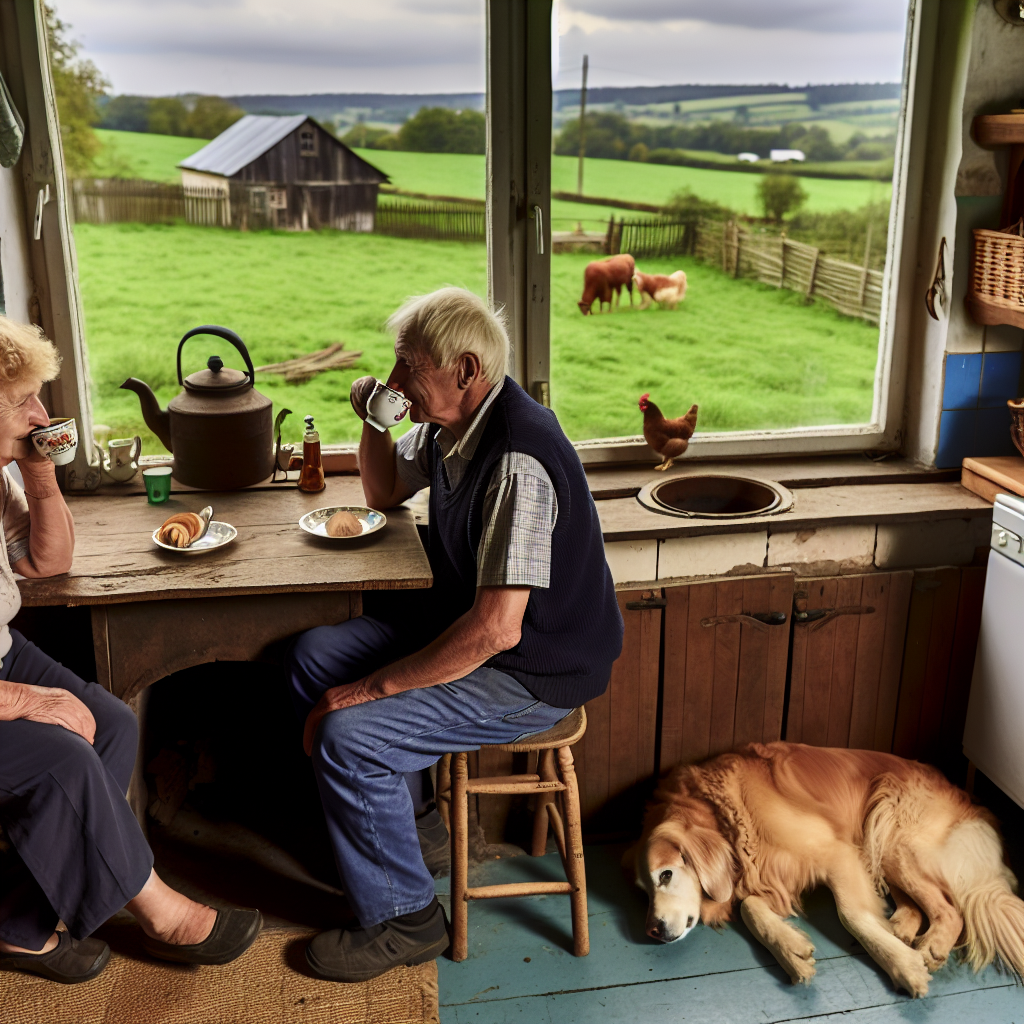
<point>12,128</point>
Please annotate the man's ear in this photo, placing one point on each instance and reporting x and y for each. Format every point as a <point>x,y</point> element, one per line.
<point>469,370</point>
<point>712,859</point>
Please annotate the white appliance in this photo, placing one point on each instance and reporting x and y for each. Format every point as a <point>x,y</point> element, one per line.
<point>994,734</point>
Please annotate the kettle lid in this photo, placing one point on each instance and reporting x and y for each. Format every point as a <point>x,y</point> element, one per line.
<point>217,377</point>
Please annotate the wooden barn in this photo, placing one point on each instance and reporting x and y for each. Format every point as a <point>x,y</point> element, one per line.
<point>284,172</point>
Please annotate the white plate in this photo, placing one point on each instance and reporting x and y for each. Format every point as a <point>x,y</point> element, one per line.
<point>215,537</point>
<point>315,522</point>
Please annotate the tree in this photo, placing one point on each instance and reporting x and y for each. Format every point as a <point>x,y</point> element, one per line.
<point>780,194</point>
<point>362,136</point>
<point>78,85</point>
<point>210,116</point>
<point>125,113</point>
<point>166,115</point>
<point>440,130</point>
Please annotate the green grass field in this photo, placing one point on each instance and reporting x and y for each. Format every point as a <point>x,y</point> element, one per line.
<point>141,155</point>
<point>455,174</point>
<point>750,355</point>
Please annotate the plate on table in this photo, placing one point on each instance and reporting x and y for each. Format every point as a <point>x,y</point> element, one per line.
<point>315,522</point>
<point>217,536</point>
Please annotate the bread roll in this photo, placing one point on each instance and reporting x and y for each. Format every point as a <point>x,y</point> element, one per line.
<point>343,524</point>
<point>181,529</point>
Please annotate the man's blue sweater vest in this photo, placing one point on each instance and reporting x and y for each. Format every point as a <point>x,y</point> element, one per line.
<point>572,632</point>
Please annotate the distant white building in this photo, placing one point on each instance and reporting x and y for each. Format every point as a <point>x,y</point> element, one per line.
<point>748,158</point>
<point>781,156</point>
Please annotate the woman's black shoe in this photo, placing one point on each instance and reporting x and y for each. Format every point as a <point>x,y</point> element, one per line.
<point>233,933</point>
<point>69,962</point>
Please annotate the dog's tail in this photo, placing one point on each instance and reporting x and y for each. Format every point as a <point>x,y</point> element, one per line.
<point>982,888</point>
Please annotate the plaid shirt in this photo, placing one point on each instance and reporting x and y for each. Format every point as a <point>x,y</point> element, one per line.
<point>520,507</point>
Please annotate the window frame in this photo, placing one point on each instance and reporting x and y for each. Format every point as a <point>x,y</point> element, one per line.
<point>519,281</point>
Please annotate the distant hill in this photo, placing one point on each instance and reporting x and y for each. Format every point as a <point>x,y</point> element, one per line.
<point>398,106</point>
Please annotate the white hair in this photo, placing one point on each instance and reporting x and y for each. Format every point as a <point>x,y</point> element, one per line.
<point>452,322</point>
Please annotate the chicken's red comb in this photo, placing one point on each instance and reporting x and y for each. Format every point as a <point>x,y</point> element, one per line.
<point>645,396</point>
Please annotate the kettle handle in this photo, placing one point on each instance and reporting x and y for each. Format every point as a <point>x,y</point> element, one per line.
<point>225,334</point>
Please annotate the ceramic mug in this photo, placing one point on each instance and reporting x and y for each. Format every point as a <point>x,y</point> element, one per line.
<point>385,406</point>
<point>121,460</point>
<point>58,441</point>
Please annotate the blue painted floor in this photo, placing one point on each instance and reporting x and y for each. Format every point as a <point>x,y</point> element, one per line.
<point>521,967</point>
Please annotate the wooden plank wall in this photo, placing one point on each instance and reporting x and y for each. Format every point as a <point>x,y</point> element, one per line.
<point>845,677</point>
<point>938,662</point>
<point>616,757</point>
<point>724,684</point>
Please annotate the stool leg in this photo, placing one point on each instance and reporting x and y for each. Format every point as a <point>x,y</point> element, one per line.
<point>546,770</point>
<point>574,865</point>
<point>443,791</point>
<point>460,857</point>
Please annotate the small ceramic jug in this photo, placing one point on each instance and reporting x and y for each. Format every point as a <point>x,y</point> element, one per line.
<point>120,461</point>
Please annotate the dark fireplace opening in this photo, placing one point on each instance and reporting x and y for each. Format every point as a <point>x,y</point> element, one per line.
<point>233,810</point>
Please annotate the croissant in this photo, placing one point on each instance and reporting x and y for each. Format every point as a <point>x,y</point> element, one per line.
<point>343,524</point>
<point>181,529</point>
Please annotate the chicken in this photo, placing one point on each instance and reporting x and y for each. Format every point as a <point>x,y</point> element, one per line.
<point>669,438</point>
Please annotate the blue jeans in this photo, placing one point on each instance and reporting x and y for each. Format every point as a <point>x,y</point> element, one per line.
<point>361,753</point>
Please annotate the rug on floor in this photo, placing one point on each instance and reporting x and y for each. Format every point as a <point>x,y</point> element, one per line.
<point>270,984</point>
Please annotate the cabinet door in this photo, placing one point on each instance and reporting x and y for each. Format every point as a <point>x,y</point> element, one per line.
<point>617,751</point>
<point>846,666</point>
<point>942,636</point>
<point>725,675</point>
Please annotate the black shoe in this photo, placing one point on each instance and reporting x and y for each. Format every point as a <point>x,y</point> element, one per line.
<point>233,933</point>
<point>360,954</point>
<point>69,962</point>
<point>433,837</point>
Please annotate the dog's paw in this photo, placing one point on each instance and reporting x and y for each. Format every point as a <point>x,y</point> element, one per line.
<point>934,954</point>
<point>797,957</point>
<point>910,973</point>
<point>800,969</point>
<point>905,923</point>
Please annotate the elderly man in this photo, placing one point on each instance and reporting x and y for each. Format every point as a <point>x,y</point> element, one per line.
<point>520,626</point>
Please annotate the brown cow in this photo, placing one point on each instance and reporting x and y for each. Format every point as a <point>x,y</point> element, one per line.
<point>603,277</point>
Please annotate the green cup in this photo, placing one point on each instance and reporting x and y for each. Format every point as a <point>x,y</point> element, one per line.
<point>158,484</point>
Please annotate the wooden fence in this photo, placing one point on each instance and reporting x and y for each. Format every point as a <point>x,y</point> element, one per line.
<point>451,222</point>
<point>111,200</point>
<point>772,259</point>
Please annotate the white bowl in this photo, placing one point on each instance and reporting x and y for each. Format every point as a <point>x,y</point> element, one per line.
<point>315,522</point>
<point>217,536</point>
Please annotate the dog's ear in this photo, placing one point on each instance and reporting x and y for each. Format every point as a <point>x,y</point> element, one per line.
<point>712,859</point>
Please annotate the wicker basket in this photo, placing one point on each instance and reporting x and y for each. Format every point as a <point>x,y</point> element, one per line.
<point>1017,423</point>
<point>996,291</point>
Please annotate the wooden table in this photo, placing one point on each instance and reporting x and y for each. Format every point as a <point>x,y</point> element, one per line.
<point>155,613</point>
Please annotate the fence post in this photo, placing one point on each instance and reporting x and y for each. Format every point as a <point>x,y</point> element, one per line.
<point>736,236</point>
<point>782,260</point>
<point>814,273</point>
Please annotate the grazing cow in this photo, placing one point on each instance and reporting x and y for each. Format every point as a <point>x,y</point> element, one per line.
<point>667,291</point>
<point>603,277</point>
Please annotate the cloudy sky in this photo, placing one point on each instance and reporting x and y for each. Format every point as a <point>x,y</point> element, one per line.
<point>301,46</point>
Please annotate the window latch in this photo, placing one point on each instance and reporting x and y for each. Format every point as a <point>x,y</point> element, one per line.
<point>761,621</point>
<point>820,616</point>
<point>538,222</point>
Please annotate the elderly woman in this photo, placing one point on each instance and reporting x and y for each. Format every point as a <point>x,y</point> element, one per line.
<point>67,747</point>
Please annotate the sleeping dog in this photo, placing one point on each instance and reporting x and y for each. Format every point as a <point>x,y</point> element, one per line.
<point>761,826</point>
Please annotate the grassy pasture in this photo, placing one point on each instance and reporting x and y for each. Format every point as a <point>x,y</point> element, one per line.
<point>750,355</point>
<point>143,155</point>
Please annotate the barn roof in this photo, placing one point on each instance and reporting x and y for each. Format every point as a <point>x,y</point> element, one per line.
<point>246,140</point>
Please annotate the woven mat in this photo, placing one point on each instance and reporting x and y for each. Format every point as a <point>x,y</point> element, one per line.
<point>270,984</point>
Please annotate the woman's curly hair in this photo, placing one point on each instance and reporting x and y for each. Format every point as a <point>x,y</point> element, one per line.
<point>26,354</point>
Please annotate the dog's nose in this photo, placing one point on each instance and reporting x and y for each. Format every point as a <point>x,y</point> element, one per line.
<point>689,921</point>
<point>656,929</point>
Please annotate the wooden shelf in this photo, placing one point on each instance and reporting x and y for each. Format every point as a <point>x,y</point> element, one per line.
<point>999,129</point>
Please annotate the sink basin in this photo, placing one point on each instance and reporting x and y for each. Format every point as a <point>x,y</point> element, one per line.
<point>715,496</point>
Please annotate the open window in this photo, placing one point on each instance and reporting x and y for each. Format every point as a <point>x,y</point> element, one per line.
<point>308,142</point>
<point>792,334</point>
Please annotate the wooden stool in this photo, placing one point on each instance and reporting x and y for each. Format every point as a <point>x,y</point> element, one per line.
<point>550,781</point>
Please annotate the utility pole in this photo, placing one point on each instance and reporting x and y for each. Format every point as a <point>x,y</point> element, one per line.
<point>583,136</point>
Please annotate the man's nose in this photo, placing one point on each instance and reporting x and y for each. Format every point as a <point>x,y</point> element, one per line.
<point>38,416</point>
<point>396,379</point>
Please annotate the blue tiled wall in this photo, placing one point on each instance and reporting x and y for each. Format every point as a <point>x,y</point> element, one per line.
<point>975,420</point>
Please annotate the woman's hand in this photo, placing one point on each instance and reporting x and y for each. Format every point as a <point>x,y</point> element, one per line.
<point>335,699</point>
<point>48,705</point>
<point>360,393</point>
<point>24,450</point>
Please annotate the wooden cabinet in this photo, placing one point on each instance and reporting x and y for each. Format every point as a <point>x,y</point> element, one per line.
<point>725,671</point>
<point>938,662</point>
<point>845,677</point>
<point>617,754</point>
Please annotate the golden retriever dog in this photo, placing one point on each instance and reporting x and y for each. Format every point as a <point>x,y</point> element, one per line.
<point>761,826</point>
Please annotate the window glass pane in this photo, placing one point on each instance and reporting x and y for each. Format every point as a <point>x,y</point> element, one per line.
<point>754,198</point>
<point>295,243</point>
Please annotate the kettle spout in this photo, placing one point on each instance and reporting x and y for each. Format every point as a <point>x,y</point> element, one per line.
<point>158,420</point>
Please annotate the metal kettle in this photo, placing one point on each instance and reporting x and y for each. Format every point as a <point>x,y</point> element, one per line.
<point>219,429</point>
